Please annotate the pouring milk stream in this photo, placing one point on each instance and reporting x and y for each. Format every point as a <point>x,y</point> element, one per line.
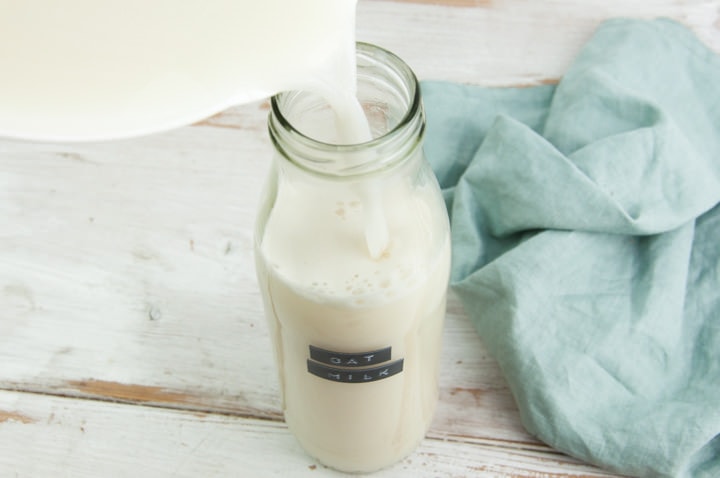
<point>353,271</point>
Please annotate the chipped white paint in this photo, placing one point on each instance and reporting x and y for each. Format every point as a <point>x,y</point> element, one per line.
<point>132,340</point>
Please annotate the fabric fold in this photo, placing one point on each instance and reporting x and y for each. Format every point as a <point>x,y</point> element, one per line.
<point>586,227</point>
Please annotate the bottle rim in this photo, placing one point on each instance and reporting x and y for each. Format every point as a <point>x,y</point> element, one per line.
<point>399,136</point>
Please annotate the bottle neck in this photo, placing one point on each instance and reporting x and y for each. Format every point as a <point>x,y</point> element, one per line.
<point>308,132</point>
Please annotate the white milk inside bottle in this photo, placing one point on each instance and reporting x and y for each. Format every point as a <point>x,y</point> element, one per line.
<point>353,257</point>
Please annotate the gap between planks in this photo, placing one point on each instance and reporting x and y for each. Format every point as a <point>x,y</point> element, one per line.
<point>164,399</point>
<point>137,395</point>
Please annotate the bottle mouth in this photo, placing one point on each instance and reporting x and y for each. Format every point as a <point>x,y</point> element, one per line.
<point>388,92</point>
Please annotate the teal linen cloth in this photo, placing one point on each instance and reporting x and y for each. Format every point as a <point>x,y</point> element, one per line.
<point>586,236</point>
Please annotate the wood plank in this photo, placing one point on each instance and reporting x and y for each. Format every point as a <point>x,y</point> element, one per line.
<point>509,42</point>
<point>44,436</point>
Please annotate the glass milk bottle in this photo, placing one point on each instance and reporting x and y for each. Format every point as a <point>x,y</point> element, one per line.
<point>353,257</point>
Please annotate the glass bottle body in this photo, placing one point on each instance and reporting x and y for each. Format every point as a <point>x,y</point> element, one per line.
<point>353,258</point>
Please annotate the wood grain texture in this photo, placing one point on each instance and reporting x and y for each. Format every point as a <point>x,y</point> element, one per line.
<point>132,337</point>
<point>510,42</point>
<point>87,438</point>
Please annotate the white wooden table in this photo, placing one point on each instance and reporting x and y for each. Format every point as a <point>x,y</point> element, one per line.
<point>132,337</point>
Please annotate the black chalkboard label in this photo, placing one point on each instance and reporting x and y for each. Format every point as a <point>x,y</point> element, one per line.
<point>342,359</point>
<point>347,375</point>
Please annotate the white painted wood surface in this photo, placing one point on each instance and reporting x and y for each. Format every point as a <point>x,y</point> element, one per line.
<point>132,339</point>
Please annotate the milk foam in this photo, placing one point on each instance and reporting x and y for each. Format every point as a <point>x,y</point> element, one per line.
<point>325,222</point>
